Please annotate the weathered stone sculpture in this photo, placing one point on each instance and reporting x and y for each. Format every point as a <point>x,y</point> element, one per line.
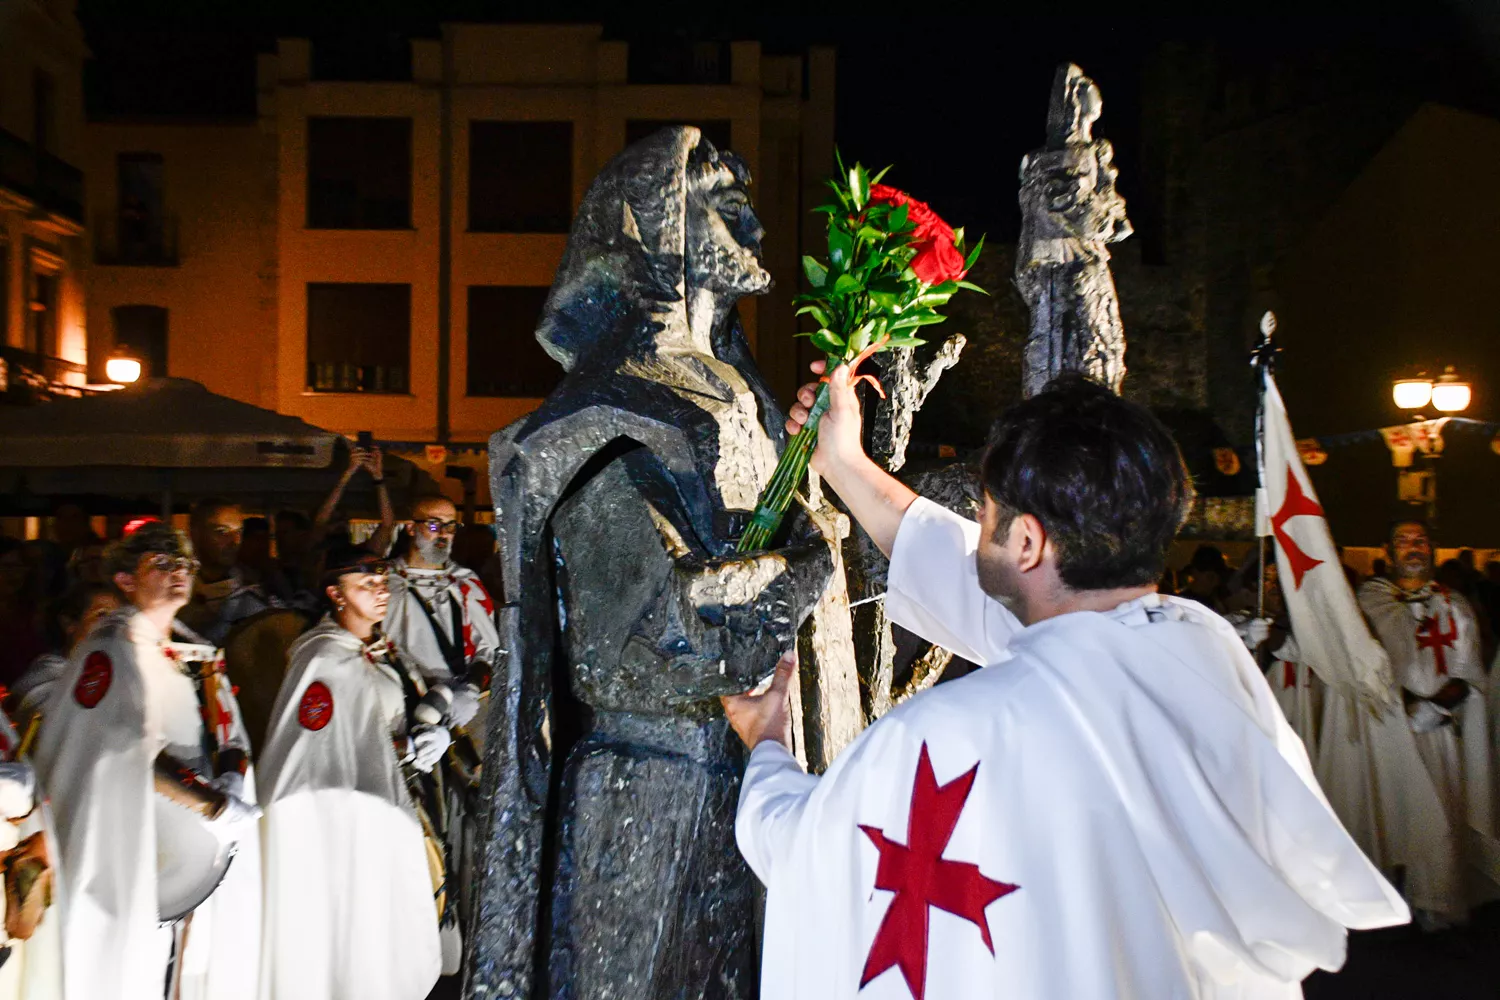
<point>1070,211</point>
<point>610,868</point>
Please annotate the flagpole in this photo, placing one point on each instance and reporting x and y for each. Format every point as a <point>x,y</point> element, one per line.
<point>1263,359</point>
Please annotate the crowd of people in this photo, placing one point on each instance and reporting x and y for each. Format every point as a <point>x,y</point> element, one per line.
<point>311,702</point>
<point>354,749</point>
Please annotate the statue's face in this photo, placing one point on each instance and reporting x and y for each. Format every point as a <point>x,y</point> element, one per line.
<point>723,235</point>
<point>1077,188</point>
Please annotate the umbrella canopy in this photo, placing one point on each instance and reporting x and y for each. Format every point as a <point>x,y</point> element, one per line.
<point>160,423</point>
<point>170,441</point>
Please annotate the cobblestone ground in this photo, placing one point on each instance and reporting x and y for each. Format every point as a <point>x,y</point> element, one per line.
<point>1402,963</point>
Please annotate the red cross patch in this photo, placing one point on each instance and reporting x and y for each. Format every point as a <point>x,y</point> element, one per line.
<point>316,709</point>
<point>93,683</point>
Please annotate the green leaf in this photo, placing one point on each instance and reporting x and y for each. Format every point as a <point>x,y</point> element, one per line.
<point>817,312</point>
<point>877,178</point>
<point>827,341</point>
<point>917,317</point>
<point>860,338</point>
<point>974,254</point>
<point>840,245</point>
<point>904,340</point>
<point>972,287</point>
<point>847,284</point>
<point>827,210</point>
<point>958,236</point>
<point>817,274</point>
<point>859,186</point>
<point>900,215</point>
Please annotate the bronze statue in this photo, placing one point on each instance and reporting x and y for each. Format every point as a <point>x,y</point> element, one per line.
<point>610,868</point>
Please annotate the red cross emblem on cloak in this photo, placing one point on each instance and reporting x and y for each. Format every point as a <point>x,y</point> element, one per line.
<point>1295,504</point>
<point>921,877</point>
<point>1430,635</point>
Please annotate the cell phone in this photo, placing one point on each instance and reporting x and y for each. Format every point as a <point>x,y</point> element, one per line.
<point>365,439</point>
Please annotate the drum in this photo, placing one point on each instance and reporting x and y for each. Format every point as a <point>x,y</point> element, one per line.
<point>190,860</point>
<point>255,657</point>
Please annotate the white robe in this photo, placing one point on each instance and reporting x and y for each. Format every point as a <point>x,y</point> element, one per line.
<point>1141,821</point>
<point>34,969</point>
<point>120,704</point>
<point>349,907</point>
<point>1298,692</point>
<point>1432,637</point>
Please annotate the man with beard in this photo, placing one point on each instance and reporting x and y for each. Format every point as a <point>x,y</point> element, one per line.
<point>1432,638</point>
<point>441,616</point>
<point>126,714</point>
<point>1113,807</point>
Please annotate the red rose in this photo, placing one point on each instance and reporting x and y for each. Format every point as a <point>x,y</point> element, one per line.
<point>937,259</point>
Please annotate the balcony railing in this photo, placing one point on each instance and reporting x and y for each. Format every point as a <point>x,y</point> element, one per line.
<point>150,244</point>
<point>53,184</point>
<point>27,377</point>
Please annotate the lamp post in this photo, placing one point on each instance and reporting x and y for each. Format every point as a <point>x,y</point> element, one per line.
<point>1448,394</point>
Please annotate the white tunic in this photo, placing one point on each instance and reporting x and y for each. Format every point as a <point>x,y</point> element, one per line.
<point>349,907</point>
<point>1432,637</point>
<point>34,969</point>
<point>120,704</point>
<point>1114,808</point>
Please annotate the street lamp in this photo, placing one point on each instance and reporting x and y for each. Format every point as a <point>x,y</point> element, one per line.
<point>1412,393</point>
<point>1450,394</point>
<point>122,367</point>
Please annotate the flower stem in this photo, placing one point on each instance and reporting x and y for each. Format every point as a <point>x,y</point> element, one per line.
<point>776,498</point>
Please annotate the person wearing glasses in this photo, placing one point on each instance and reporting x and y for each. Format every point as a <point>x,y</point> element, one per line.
<point>441,616</point>
<point>128,720</point>
<point>350,913</point>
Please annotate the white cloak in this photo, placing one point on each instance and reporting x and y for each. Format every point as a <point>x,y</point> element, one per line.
<point>1432,637</point>
<point>34,969</point>
<point>1297,691</point>
<point>407,624</point>
<point>1115,807</point>
<point>349,907</point>
<point>121,703</point>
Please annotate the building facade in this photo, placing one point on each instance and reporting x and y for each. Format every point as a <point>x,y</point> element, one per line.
<point>43,341</point>
<point>371,250</point>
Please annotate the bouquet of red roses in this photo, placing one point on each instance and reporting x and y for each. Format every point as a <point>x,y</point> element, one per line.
<point>891,263</point>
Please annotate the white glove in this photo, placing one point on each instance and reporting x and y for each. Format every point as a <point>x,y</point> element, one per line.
<point>428,744</point>
<point>434,706</point>
<point>465,704</point>
<point>231,783</point>
<point>1424,716</point>
<point>17,789</point>
<point>235,822</point>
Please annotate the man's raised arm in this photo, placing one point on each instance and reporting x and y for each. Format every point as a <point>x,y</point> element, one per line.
<point>933,584</point>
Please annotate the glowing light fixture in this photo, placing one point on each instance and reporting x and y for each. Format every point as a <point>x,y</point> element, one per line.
<point>122,368</point>
<point>1412,393</point>
<point>1451,394</point>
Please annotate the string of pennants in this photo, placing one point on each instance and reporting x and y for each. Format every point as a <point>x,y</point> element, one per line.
<point>1405,441</point>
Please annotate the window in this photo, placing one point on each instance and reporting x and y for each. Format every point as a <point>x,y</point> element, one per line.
<point>677,60</point>
<point>358,337</point>
<point>41,334</point>
<point>44,112</point>
<point>504,356</point>
<point>142,330</point>
<point>359,173</point>
<point>715,130</point>
<point>520,177</point>
<point>142,210</point>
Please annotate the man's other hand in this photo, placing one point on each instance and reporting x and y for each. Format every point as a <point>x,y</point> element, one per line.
<point>766,715</point>
<point>838,430</point>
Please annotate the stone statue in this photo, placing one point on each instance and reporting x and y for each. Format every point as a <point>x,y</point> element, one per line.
<point>1070,211</point>
<point>610,868</point>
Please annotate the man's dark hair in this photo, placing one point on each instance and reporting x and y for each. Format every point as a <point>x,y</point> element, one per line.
<point>256,526</point>
<point>1396,522</point>
<point>1101,474</point>
<point>124,555</point>
<point>295,518</point>
<point>207,506</point>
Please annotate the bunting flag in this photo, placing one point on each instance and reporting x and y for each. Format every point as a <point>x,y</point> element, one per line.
<point>1331,634</point>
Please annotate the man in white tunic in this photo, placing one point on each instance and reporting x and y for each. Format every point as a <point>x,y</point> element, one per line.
<point>1432,638</point>
<point>442,618</point>
<point>124,702</point>
<point>1114,807</point>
